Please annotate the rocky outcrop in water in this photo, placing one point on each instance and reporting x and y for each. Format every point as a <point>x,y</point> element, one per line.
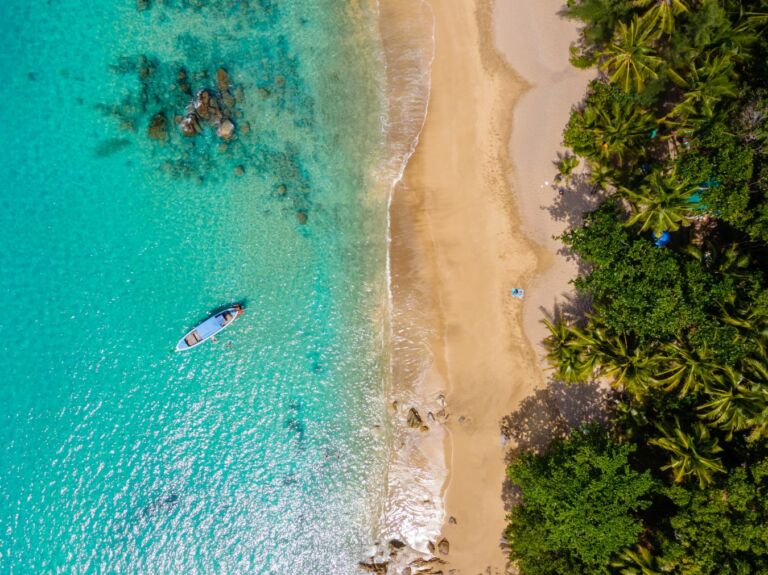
<point>398,558</point>
<point>158,128</point>
<point>222,80</point>
<point>414,419</point>
<point>215,108</point>
<point>225,130</point>
<point>192,111</point>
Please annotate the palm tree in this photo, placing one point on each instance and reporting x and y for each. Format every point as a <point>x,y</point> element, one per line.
<point>736,407</point>
<point>566,164</point>
<point>661,203</point>
<point>754,368</point>
<point>750,320</point>
<point>685,369</point>
<point>727,260</point>
<point>662,13</point>
<point>618,357</point>
<point>565,351</point>
<point>601,175</point>
<point>691,455</point>
<point>704,85</point>
<point>637,561</point>
<point>598,16</point>
<point>759,425</point>
<point>617,129</point>
<point>630,59</point>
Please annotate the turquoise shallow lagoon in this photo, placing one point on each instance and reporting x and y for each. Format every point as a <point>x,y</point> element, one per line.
<point>251,455</point>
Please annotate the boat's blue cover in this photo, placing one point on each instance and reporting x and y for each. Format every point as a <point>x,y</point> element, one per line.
<point>210,326</point>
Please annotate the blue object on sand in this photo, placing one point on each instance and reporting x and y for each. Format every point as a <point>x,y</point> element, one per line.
<point>518,293</point>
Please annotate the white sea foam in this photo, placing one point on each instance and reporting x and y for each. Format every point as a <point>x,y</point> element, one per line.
<point>413,511</point>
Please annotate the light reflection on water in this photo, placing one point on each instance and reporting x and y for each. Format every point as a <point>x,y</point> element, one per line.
<point>251,455</point>
<point>257,454</point>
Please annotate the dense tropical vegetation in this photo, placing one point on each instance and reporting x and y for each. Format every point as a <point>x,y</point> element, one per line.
<point>673,134</point>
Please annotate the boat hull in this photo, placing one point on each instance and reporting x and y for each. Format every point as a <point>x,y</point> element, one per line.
<point>208,328</point>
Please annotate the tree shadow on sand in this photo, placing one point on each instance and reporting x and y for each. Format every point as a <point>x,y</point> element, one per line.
<point>574,200</point>
<point>550,414</point>
<point>572,308</point>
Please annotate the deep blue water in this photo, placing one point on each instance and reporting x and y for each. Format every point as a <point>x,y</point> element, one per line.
<point>251,455</point>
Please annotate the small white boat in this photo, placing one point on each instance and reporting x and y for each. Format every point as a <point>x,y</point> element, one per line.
<point>210,327</point>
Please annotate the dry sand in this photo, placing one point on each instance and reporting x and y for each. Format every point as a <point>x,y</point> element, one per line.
<point>459,246</point>
<point>535,41</point>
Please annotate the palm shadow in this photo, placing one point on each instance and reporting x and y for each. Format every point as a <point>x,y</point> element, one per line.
<point>571,308</point>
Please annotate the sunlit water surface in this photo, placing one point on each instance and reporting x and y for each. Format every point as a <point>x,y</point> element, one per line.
<point>256,454</point>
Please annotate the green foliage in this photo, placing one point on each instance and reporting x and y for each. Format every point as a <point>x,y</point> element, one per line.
<point>630,59</point>
<point>661,202</point>
<point>609,125</point>
<point>691,454</point>
<point>704,84</point>
<point>579,505</point>
<point>675,134</point>
<point>719,159</point>
<point>600,18</point>
<point>661,14</point>
<point>721,530</point>
<point>638,288</point>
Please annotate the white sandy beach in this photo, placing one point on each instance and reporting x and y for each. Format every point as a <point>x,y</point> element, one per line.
<point>469,223</point>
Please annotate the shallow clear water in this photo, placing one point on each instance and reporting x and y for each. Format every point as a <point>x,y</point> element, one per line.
<point>255,454</point>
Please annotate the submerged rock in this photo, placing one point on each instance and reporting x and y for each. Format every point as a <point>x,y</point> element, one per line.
<point>104,149</point>
<point>202,104</point>
<point>225,130</point>
<point>239,170</point>
<point>190,125</point>
<point>182,80</point>
<point>146,67</point>
<point>301,217</point>
<point>222,80</point>
<point>158,127</point>
<point>227,100</point>
<point>142,5</point>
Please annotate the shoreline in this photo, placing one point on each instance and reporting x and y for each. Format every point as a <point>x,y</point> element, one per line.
<point>464,352</point>
<point>469,331</point>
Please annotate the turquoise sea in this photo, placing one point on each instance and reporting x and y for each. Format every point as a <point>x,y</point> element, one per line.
<point>255,454</point>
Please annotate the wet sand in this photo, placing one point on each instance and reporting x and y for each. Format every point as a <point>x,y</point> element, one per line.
<point>466,230</point>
